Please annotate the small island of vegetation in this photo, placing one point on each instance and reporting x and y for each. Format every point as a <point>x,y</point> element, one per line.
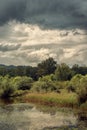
<point>49,84</point>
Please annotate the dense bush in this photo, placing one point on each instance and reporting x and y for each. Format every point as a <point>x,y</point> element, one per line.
<point>6,87</point>
<point>9,85</point>
<point>74,83</point>
<point>39,86</point>
<point>79,84</point>
<point>82,90</point>
<point>22,83</point>
<point>49,84</point>
<point>44,84</point>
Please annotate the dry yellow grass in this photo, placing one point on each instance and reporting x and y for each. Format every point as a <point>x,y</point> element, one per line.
<point>63,99</point>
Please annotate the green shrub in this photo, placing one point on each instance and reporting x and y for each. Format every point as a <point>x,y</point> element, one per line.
<point>70,87</point>
<point>79,84</point>
<point>6,87</point>
<point>7,92</point>
<point>75,81</point>
<point>39,86</point>
<point>82,90</point>
<point>22,83</point>
<point>43,86</point>
<point>9,85</point>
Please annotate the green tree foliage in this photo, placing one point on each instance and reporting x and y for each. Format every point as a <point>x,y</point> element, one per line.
<point>31,72</point>
<point>20,71</point>
<point>46,67</point>
<point>79,69</point>
<point>63,72</point>
<point>3,70</point>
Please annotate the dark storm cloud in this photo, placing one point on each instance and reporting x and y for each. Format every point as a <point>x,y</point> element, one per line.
<point>47,13</point>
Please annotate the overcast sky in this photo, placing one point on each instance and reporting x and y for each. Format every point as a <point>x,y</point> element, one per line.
<point>33,30</point>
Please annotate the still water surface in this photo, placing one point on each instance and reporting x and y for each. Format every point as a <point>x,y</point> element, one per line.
<point>25,116</point>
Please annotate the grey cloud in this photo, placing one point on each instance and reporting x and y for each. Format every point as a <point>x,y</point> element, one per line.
<point>64,34</point>
<point>22,34</point>
<point>9,35</point>
<point>58,50</point>
<point>48,14</point>
<point>32,55</point>
<point>9,47</point>
<point>11,9</point>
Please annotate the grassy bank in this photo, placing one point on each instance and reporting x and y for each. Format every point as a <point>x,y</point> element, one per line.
<point>53,99</point>
<point>63,100</point>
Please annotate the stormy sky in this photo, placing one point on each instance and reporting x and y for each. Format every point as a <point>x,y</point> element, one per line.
<point>33,30</point>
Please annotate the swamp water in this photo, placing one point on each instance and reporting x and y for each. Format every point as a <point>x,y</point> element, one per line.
<point>25,116</point>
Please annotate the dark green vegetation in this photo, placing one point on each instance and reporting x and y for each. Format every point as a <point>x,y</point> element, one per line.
<point>67,85</point>
<point>46,67</point>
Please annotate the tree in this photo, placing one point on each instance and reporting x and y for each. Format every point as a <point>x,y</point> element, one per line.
<point>63,72</point>
<point>46,67</point>
<point>3,70</point>
<point>79,69</point>
<point>20,71</point>
<point>75,68</point>
<point>31,72</point>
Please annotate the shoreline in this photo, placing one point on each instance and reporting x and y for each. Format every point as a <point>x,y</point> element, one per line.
<point>67,100</point>
<point>54,100</point>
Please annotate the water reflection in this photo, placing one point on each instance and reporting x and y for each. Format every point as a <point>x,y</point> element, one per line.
<point>82,120</point>
<point>25,116</point>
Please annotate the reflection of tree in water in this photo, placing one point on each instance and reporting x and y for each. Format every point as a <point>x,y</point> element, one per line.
<point>5,126</point>
<point>10,107</point>
<point>82,119</point>
<point>81,124</point>
<point>21,117</point>
<point>13,126</point>
<point>6,101</point>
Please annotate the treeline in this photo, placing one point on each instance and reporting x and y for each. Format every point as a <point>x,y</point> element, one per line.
<point>46,67</point>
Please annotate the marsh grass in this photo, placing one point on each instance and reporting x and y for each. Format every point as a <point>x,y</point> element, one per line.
<point>63,99</point>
